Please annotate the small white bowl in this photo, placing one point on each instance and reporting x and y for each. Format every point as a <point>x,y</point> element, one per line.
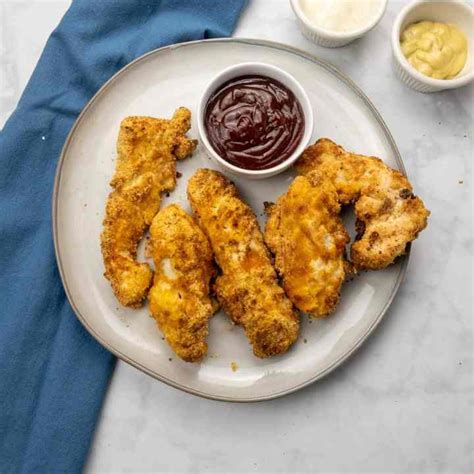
<point>272,72</point>
<point>329,38</point>
<point>453,11</point>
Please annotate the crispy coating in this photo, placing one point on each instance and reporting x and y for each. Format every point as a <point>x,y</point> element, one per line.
<point>248,289</point>
<point>389,215</point>
<point>179,298</point>
<point>146,166</point>
<point>306,235</point>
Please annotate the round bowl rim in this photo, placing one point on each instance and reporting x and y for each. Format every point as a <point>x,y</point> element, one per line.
<point>408,68</point>
<point>338,35</point>
<point>56,237</point>
<point>307,111</point>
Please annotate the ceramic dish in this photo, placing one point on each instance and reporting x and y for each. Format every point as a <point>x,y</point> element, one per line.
<point>454,11</point>
<point>328,38</point>
<point>260,69</point>
<point>156,84</point>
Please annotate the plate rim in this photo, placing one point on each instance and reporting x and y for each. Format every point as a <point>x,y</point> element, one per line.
<point>57,179</point>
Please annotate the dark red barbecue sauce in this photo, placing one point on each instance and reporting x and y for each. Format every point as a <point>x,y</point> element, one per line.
<point>254,122</point>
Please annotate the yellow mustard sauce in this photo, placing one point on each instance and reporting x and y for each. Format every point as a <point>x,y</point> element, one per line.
<point>437,50</point>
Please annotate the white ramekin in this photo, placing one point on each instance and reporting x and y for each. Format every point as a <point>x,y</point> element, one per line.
<point>272,72</point>
<point>451,11</point>
<point>329,38</point>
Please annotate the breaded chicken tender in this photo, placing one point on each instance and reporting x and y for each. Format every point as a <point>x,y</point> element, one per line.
<point>146,166</point>
<point>179,298</point>
<point>389,215</point>
<point>248,289</point>
<point>306,234</point>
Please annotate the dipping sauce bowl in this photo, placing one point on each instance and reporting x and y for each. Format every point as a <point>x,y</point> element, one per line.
<point>255,120</point>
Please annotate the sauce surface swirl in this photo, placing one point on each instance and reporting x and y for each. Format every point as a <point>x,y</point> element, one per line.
<point>254,122</point>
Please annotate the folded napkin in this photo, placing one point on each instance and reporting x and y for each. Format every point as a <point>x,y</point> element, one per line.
<point>53,375</point>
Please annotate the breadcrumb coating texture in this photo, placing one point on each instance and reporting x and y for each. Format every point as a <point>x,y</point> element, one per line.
<point>146,166</point>
<point>306,234</point>
<point>179,298</point>
<point>248,289</point>
<point>389,216</point>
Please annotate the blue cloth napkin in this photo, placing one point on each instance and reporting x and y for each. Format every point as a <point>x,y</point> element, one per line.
<point>53,375</point>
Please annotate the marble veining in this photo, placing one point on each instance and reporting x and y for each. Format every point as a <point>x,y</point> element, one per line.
<point>404,401</point>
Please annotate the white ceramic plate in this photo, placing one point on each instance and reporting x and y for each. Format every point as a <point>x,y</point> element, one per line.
<point>156,84</point>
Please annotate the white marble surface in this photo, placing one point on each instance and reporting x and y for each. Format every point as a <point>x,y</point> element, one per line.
<point>404,402</point>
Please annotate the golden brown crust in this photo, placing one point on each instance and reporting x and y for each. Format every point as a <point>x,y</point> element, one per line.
<point>179,298</point>
<point>123,228</point>
<point>247,289</point>
<point>306,235</point>
<point>146,166</point>
<point>389,215</point>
